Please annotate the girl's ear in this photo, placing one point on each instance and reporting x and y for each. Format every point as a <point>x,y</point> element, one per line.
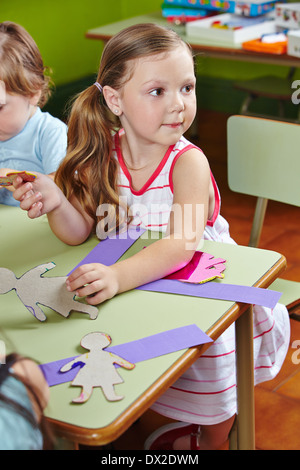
<point>111,97</point>
<point>34,99</point>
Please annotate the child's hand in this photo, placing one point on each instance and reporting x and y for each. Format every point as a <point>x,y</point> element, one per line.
<point>95,281</point>
<point>38,197</point>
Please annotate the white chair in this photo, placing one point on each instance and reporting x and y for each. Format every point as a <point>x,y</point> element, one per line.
<point>264,161</point>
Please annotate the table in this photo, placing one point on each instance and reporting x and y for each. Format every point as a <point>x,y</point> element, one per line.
<point>216,49</point>
<point>132,315</point>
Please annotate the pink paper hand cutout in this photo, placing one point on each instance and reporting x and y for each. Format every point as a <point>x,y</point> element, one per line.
<point>203,267</point>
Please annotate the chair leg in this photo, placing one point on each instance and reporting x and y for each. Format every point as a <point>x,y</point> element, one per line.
<point>246,103</point>
<point>258,219</point>
<point>245,381</point>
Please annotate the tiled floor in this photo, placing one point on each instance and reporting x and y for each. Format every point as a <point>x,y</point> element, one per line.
<point>278,401</point>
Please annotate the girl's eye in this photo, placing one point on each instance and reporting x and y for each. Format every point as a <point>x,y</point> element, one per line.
<point>156,92</point>
<point>188,88</point>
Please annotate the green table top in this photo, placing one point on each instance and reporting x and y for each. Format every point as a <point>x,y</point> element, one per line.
<point>133,315</point>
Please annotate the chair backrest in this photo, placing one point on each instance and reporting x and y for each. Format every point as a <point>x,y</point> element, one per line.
<point>263,161</point>
<point>264,158</point>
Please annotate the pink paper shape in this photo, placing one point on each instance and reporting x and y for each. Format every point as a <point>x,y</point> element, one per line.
<point>203,267</point>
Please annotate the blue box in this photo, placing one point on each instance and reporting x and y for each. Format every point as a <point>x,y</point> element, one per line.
<point>244,7</point>
<point>183,14</point>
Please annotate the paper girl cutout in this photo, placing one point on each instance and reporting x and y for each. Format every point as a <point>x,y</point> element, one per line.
<point>98,369</point>
<point>202,268</point>
<point>33,289</point>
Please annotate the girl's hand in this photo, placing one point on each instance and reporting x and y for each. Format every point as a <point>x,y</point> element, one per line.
<point>94,281</point>
<point>38,197</point>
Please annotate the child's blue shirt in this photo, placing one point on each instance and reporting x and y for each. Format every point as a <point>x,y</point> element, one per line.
<point>40,146</point>
<point>16,433</point>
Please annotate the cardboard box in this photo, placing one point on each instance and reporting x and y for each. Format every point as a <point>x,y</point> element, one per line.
<point>230,28</point>
<point>287,15</point>
<point>294,43</point>
<point>243,7</point>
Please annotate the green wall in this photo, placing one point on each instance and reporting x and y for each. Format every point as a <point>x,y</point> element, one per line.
<point>59,26</point>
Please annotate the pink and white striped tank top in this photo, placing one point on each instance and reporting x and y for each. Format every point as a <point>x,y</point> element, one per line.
<point>150,206</point>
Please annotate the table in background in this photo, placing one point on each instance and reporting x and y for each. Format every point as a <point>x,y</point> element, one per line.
<point>209,48</point>
<point>129,316</point>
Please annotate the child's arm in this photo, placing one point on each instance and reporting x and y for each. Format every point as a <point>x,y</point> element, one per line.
<point>67,219</point>
<point>191,180</point>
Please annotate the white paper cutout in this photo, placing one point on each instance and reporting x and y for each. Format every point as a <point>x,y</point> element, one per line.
<point>98,369</point>
<point>33,289</point>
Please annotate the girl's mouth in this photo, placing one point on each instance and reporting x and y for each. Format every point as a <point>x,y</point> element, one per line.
<point>174,125</point>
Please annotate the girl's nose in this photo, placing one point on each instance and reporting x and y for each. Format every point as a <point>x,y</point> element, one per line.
<point>177,103</point>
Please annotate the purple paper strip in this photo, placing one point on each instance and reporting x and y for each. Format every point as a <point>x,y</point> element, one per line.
<point>214,290</point>
<point>108,251</point>
<point>135,351</point>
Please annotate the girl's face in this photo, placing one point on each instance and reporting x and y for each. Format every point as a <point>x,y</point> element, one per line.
<point>15,111</point>
<point>158,103</point>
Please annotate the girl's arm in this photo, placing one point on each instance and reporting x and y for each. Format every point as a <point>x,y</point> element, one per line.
<point>191,181</point>
<point>69,222</point>
<point>66,218</point>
